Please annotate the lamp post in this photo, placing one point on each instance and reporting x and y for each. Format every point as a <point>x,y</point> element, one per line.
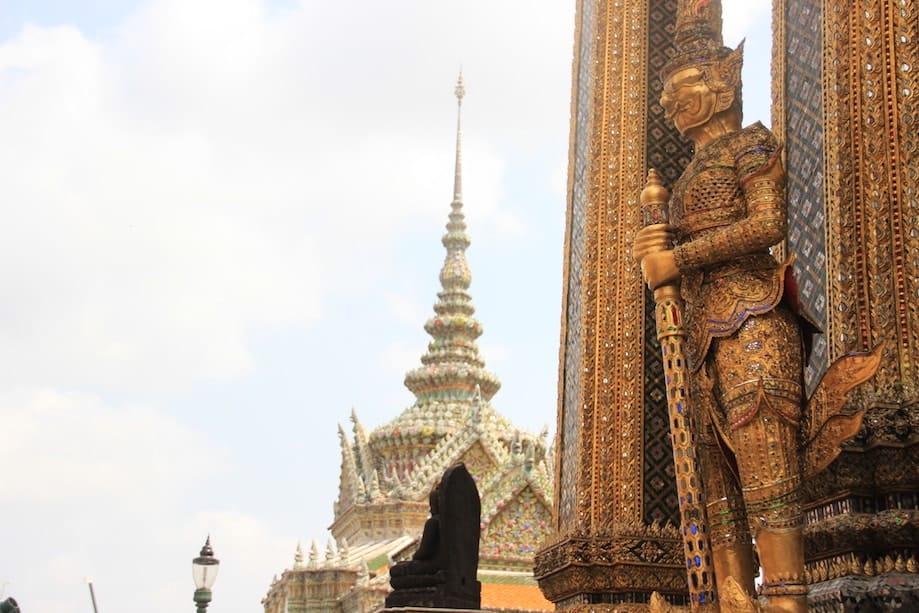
<point>92,594</point>
<point>204,571</point>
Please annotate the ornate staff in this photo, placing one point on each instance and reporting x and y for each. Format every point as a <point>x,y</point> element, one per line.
<point>670,333</point>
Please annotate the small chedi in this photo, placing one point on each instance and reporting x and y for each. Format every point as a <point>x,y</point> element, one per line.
<point>442,571</point>
<point>388,474</point>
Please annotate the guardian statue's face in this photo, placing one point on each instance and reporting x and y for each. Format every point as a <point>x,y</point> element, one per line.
<point>688,100</point>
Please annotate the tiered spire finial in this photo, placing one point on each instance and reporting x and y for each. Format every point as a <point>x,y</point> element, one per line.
<point>452,366</point>
<point>460,91</point>
<point>451,370</point>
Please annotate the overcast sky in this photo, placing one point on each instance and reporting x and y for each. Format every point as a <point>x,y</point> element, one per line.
<point>221,230</point>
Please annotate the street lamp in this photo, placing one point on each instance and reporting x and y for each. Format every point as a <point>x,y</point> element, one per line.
<point>204,571</point>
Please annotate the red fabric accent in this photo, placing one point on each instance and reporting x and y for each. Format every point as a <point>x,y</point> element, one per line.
<point>791,290</point>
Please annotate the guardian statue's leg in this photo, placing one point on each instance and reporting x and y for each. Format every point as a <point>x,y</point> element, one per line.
<point>759,389</point>
<point>732,545</point>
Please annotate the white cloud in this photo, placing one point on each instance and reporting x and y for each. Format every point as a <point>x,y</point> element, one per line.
<point>206,176</point>
<point>558,182</point>
<point>397,358</point>
<point>406,309</point>
<point>90,489</point>
<point>140,255</point>
<point>250,552</point>
<point>71,447</point>
<point>494,353</point>
<point>146,560</point>
<point>483,180</point>
<point>742,17</point>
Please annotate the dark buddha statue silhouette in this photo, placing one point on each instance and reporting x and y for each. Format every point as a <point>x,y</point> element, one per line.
<point>442,571</point>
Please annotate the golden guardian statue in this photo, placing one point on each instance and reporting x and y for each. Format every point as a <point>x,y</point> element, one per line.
<point>754,437</point>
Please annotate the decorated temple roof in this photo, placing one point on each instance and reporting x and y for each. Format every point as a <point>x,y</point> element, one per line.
<point>387,474</point>
<point>452,414</point>
<point>452,371</point>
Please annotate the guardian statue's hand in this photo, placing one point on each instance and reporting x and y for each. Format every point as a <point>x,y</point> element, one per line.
<point>659,268</point>
<point>656,237</point>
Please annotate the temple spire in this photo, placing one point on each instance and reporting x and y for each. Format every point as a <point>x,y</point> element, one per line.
<point>451,379</point>
<point>460,91</point>
<point>452,366</point>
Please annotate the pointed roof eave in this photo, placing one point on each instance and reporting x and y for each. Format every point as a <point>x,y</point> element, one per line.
<point>510,489</point>
<point>364,457</point>
<point>448,452</point>
<point>540,488</point>
<point>298,556</point>
<point>349,481</point>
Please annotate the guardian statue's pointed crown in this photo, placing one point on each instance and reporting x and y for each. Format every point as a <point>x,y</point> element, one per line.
<point>699,44</point>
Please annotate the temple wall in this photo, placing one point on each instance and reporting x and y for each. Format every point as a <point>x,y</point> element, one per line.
<point>844,98</point>
<point>614,480</point>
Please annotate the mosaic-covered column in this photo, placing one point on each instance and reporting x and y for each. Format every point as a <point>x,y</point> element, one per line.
<point>845,91</point>
<point>616,507</point>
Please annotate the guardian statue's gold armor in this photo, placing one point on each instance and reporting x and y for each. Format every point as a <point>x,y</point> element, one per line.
<point>744,344</point>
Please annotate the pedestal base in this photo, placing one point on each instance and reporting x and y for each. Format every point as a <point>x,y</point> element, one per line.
<point>439,596</point>
<point>415,609</point>
<point>853,594</point>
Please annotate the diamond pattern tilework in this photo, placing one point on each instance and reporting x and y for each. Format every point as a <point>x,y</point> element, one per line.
<point>804,158</point>
<point>660,498</point>
<point>669,154</point>
<point>566,487</point>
